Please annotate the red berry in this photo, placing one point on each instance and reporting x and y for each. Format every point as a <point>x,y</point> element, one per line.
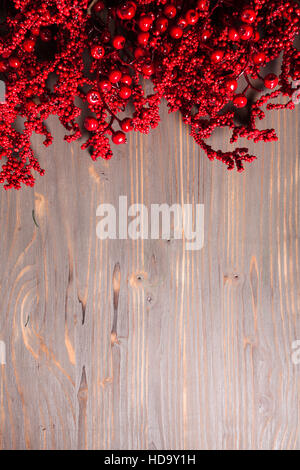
<point>91,124</point>
<point>170,11</point>
<point>99,6</point>
<point>145,23</point>
<point>191,17</point>
<point>139,53</point>
<point>3,66</point>
<point>217,56</point>
<point>126,11</point>
<point>119,138</point>
<point>271,81</point>
<point>245,32</point>
<point>148,69</point>
<point>125,92</point>
<point>240,101</point>
<point>143,39</point>
<point>176,32</point>
<point>119,42</point>
<point>205,35</point>
<point>46,35</point>
<point>182,23</point>
<point>248,15</point>
<point>202,5</point>
<point>29,45</point>
<point>126,125</point>
<point>97,51</point>
<point>14,62</point>
<point>233,34</point>
<point>126,79</point>
<point>35,30</point>
<point>105,85</point>
<point>93,97</point>
<point>161,24</point>
<point>259,58</point>
<point>231,84</point>
<point>115,76</point>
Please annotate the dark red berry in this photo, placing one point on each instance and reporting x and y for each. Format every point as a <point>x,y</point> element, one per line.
<point>99,6</point>
<point>248,15</point>
<point>127,11</point>
<point>119,42</point>
<point>191,17</point>
<point>271,81</point>
<point>143,38</point>
<point>161,24</point>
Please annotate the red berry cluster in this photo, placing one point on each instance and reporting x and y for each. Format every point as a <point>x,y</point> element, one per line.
<point>206,58</point>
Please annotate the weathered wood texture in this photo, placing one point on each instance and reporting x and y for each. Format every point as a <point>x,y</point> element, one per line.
<point>198,352</point>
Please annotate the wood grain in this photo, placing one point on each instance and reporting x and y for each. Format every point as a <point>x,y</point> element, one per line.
<point>141,344</point>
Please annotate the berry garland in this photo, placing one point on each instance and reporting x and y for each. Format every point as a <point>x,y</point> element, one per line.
<point>204,57</point>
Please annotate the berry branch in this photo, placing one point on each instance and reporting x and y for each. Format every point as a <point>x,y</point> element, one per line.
<point>196,53</point>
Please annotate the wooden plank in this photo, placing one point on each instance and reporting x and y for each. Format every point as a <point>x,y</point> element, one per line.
<point>141,344</point>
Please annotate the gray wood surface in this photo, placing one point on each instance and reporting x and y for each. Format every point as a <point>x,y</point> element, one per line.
<point>141,344</point>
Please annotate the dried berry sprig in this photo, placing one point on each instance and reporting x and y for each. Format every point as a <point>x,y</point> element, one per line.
<point>203,57</point>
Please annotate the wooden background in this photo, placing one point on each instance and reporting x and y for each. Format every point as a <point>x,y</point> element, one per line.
<point>197,353</point>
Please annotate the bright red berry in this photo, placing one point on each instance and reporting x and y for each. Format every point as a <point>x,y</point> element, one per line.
<point>126,79</point>
<point>29,45</point>
<point>105,85</point>
<point>245,32</point>
<point>233,34</point>
<point>115,76</point>
<point>125,92</point>
<point>126,125</point>
<point>248,15</point>
<point>176,32</point>
<point>119,42</point>
<point>93,97</point>
<point>126,11</point>
<point>191,17</point>
<point>170,11</point>
<point>148,69</point>
<point>97,51</point>
<point>143,39</point>
<point>119,138</point>
<point>205,35</point>
<point>202,5</point>
<point>259,58</point>
<point>231,85</point>
<point>161,24</point>
<point>91,124</point>
<point>271,81</point>
<point>99,6</point>
<point>217,56</point>
<point>14,62</point>
<point>240,101</point>
<point>145,23</point>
